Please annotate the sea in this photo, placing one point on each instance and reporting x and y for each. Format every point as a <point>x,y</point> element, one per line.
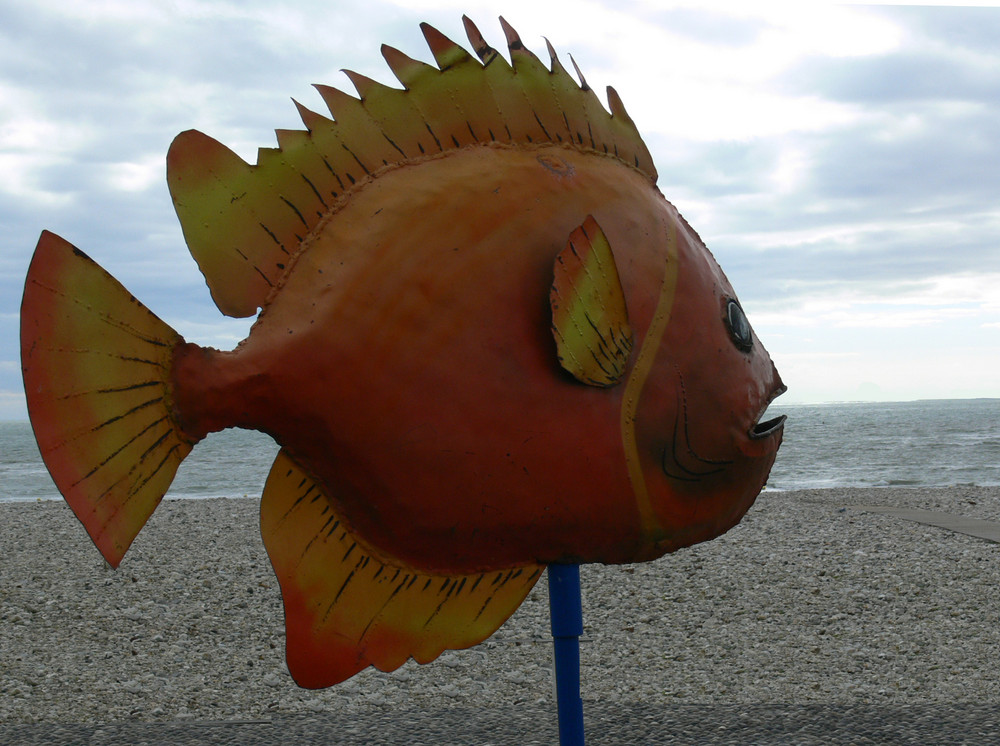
<point>929,443</point>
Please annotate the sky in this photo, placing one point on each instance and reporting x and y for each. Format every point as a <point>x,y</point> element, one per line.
<point>842,162</point>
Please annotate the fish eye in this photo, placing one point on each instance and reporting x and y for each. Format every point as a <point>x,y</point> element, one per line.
<point>739,327</point>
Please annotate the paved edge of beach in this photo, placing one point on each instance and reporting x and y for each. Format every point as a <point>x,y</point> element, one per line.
<point>810,600</point>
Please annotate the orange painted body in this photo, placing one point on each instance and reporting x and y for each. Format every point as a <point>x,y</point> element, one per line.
<point>486,343</point>
<point>408,365</point>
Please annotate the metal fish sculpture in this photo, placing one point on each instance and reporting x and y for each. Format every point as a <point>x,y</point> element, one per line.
<point>485,343</point>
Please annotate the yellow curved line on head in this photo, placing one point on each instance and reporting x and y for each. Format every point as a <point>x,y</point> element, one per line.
<point>649,524</point>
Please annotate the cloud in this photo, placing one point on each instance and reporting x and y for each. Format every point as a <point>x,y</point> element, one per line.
<point>944,54</point>
<point>839,161</point>
<point>900,187</point>
<point>706,24</point>
<point>969,29</point>
<point>902,78</point>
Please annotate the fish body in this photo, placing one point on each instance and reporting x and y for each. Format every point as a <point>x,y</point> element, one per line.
<point>439,417</point>
<point>478,359</point>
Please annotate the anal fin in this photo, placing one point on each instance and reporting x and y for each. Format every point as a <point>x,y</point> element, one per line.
<point>348,606</point>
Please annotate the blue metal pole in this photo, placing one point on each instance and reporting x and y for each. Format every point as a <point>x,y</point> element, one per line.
<point>566,613</point>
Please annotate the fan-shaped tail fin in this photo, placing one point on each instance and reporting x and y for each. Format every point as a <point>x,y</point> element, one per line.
<point>97,366</point>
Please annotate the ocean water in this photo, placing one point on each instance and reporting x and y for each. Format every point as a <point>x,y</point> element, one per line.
<point>232,463</point>
<point>928,443</point>
<point>922,443</point>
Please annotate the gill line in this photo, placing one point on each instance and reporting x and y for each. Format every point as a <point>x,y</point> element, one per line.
<point>648,523</point>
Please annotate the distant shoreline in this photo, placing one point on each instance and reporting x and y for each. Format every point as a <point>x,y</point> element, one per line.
<point>778,403</point>
<point>949,443</point>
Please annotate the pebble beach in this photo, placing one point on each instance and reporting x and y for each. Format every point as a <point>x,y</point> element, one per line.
<point>810,601</point>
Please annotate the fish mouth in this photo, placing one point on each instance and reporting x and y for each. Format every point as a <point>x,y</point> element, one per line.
<point>760,430</point>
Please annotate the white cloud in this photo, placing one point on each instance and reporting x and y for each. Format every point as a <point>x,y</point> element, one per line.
<point>887,305</point>
<point>952,372</point>
<point>12,406</point>
<point>215,331</point>
<point>132,176</point>
<point>19,180</point>
<point>32,142</point>
<point>838,159</point>
<point>102,11</point>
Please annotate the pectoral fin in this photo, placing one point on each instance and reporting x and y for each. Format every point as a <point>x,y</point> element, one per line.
<point>589,316</point>
<point>348,606</point>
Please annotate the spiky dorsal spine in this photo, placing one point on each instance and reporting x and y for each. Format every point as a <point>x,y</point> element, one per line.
<point>244,223</point>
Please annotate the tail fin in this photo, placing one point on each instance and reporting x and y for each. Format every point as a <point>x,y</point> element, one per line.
<point>97,367</point>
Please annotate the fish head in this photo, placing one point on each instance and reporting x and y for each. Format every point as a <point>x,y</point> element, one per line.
<point>699,388</point>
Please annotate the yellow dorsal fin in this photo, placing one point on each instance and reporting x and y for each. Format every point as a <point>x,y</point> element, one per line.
<point>348,606</point>
<point>243,223</point>
<point>589,316</point>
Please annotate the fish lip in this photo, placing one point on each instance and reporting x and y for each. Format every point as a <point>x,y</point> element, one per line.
<point>761,430</point>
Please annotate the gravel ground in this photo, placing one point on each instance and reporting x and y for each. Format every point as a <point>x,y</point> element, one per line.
<point>635,724</point>
<point>811,618</point>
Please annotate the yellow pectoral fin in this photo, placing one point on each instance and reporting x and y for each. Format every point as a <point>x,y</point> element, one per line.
<point>348,606</point>
<point>589,317</point>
